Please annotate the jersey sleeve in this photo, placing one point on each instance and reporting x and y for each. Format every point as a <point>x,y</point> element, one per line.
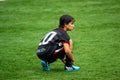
<point>62,35</point>
<point>64,38</point>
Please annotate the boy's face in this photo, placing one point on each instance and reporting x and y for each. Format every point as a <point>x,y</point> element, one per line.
<point>70,26</point>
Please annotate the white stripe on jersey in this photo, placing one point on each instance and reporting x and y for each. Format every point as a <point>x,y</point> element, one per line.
<point>56,51</point>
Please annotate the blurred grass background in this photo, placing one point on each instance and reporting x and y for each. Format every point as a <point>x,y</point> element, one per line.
<point>96,38</point>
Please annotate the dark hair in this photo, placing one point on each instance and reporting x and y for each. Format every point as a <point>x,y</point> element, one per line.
<point>65,19</point>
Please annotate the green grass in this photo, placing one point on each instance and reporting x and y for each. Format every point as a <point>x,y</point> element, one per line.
<point>96,38</point>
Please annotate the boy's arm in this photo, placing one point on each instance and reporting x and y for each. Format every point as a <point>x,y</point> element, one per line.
<point>71,44</point>
<point>68,51</point>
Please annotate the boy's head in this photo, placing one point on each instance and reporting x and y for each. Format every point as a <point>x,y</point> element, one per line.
<point>66,21</point>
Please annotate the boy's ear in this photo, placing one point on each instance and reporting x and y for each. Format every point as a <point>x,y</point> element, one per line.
<point>65,24</point>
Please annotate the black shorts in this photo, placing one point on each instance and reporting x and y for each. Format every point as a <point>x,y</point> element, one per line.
<point>49,54</point>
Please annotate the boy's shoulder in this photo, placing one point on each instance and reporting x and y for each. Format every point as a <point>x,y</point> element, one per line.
<point>59,30</point>
<point>56,29</point>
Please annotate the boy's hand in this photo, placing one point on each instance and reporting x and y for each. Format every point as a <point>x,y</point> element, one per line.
<point>63,60</point>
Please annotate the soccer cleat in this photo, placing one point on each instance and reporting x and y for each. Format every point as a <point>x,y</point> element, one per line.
<point>68,69</point>
<point>45,66</point>
<point>71,68</point>
<point>75,67</point>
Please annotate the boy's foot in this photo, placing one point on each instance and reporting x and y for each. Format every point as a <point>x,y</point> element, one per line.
<point>71,68</point>
<point>75,67</point>
<point>45,66</point>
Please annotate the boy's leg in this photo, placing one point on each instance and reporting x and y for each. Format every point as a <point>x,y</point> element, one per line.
<point>69,66</point>
<point>61,56</point>
<point>47,57</point>
<point>68,61</point>
<point>51,58</point>
<point>46,62</point>
<point>45,65</point>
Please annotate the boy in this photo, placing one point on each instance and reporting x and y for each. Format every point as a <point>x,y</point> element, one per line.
<point>57,44</point>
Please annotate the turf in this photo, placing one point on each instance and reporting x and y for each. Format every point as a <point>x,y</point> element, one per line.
<point>96,38</point>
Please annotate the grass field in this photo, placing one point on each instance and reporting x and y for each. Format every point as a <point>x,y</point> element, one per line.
<point>96,38</point>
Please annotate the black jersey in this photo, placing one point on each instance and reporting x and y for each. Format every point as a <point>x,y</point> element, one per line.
<point>52,43</point>
<point>56,37</point>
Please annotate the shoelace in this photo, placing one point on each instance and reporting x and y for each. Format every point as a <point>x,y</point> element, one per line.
<point>69,68</point>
